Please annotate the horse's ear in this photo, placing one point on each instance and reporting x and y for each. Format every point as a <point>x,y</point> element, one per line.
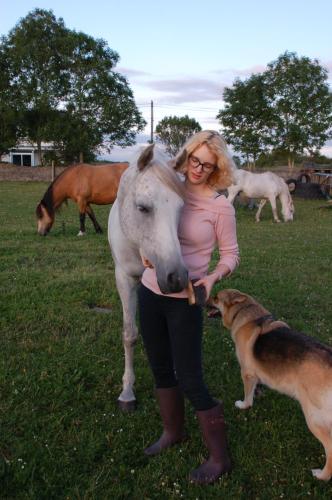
<point>180,160</point>
<point>145,157</point>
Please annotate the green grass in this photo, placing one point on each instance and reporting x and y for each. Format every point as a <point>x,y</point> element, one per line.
<point>61,365</point>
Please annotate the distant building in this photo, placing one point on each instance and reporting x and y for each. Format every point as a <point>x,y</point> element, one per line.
<point>26,154</point>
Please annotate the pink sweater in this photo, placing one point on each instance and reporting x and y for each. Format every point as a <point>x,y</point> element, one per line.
<point>204,222</point>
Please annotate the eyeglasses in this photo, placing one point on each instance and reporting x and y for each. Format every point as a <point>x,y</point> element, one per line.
<point>206,166</point>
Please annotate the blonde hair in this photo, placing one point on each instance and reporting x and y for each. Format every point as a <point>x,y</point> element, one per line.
<point>222,176</point>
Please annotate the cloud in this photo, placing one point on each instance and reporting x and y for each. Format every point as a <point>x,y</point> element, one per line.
<point>186,90</point>
<point>328,66</point>
<point>258,68</point>
<point>327,149</point>
<point>134,73</point>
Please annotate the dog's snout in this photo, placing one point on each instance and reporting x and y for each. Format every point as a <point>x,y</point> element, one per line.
<point>211,301</point>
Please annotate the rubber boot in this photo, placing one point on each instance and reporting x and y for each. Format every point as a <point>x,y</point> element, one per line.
<point>213,428</point>
<point>171,407</point>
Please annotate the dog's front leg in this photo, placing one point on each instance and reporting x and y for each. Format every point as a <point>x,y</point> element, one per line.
<point>250,381</point>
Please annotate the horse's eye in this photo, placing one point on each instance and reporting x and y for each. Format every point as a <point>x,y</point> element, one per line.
<point>144,209</point>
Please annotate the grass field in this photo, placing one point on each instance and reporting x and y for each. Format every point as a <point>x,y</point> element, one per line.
<point>61,365</point>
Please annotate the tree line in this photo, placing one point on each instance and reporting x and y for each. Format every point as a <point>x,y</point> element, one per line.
<point>59,85</point>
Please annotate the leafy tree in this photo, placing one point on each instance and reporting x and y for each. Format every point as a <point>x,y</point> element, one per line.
<point>55,69</point>
<point>35,52</point>
<point>288,109</point>
<point>301,104</point>
<point>73,140</point>
<point>8,129</point>
<point>173,131</point>
<point>100,104</point>
<point>8,112</point>
<point>246,116</point>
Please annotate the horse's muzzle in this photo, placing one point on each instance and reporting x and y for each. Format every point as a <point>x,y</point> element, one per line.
<point>175,281</point>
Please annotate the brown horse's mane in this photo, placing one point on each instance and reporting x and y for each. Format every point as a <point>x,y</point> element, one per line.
<point>47,200</point>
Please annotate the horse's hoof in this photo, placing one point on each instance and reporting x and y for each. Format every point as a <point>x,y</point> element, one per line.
<point>127,406</point>
<point>81,233</point>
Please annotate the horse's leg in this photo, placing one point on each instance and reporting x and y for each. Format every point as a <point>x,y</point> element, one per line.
<point>127,286</point>
<point>92,216</point>
<point>232,192</point>
<point>260,208</point>
<point>273,201</point>
<point>82,209</point>
<point>82,224</point>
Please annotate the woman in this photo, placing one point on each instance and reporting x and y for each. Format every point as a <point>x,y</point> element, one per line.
<point>170,327</point>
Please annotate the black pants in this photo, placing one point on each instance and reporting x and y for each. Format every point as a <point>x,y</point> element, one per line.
<point>172,336</point>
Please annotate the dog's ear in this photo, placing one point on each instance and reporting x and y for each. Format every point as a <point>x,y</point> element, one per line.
<point>234,296</point>
<point>239,299</point>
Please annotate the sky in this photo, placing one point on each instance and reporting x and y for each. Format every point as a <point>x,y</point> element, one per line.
<point>181,54</point>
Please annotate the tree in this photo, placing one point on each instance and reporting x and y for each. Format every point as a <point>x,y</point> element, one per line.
<point>246,116</point>
<point>35,53</point>
<point>100,103</point>
<point>173,131</point>
<point>56,72</point>
<point>8,113</point>
<point>288,109</point>
<point>298,94</point>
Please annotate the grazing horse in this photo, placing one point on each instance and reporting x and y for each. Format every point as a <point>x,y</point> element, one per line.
<point>83,184</point>
<point>264,186</point>
<point>143,224</point>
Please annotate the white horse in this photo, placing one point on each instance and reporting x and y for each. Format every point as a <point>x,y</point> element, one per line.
<point>265,186</point>
<point>143,223</point>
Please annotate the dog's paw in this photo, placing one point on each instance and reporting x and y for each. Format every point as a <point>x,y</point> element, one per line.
<point>242,405</point>
<point>320,474</point>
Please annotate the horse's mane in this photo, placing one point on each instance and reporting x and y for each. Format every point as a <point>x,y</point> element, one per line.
<point>169,177</point>
<point>47,200</point>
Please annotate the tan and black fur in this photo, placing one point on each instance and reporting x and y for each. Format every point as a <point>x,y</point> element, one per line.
<point>271,353</point>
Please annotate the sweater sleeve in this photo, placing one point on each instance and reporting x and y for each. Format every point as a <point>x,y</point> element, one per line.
<point>227,239</point>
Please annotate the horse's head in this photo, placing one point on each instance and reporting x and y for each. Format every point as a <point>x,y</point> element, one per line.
<point>287,207</point>
<point>44,219</point>
<point>150,213</point>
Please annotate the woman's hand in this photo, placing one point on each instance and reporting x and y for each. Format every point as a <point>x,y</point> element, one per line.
<point>208,281</point>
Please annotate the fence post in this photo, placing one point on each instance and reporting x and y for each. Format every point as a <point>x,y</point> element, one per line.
<point>53,171</point>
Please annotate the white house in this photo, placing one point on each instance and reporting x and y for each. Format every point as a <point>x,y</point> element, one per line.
<point>26,154</point>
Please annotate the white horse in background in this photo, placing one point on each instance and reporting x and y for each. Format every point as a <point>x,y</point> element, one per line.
<point>264,186</point>
<point>143,223</point>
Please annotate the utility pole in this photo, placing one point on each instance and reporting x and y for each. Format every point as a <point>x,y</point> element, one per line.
<point>151,136</point>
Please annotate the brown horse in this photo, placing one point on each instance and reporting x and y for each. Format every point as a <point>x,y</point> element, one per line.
<point>83,184</point>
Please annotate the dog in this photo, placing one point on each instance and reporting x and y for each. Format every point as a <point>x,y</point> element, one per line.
<point>271,353</point>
